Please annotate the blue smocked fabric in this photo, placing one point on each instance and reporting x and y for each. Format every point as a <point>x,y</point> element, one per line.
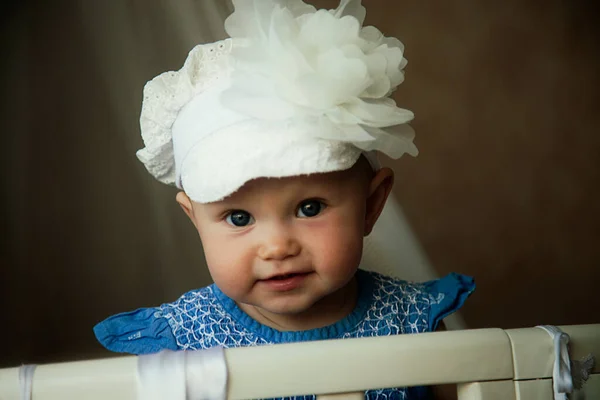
<point>204,318</point>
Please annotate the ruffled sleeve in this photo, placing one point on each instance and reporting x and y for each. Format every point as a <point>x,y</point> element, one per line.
<point>142,331</point>
<point>447,295</point>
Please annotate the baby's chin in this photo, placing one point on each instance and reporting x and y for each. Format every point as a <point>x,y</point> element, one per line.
<point>297,316</point>
<point>282,308</point>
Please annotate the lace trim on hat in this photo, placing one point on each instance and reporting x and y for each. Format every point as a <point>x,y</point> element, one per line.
<point>167,94</point>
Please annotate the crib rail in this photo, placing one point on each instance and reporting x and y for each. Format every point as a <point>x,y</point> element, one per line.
<point>490,364</point>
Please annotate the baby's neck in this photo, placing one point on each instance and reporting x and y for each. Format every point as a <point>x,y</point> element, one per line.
<point>326,311</point>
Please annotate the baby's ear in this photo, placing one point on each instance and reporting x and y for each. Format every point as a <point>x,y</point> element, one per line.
<point>186,205</point>
<point>380,188</point>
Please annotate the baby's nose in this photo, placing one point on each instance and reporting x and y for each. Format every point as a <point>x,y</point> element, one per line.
<point>279,246</point>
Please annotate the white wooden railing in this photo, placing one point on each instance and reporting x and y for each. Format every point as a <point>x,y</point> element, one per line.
<point>490,364</point>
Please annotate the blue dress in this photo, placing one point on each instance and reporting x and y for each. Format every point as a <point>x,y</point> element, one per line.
<point>201,319</point>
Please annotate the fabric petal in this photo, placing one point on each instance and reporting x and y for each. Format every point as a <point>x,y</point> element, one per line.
<point>371,34</point>
<point>379,113</point>
<point>394,141</point>
<point>351,7</point>
<point>323,31</point>
<point>299,8</point>
<point>251,18</point>
<point>342,132</point>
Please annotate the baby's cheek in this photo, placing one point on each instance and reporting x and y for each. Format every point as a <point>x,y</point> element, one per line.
<point>228,269</point>
<point>340,250</point>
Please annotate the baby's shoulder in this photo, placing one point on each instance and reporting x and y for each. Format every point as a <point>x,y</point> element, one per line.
<point>198,319</point>
<point>430,292</point>
<point>397,290</point>
<point>206,318</point>
<point>193,305</point>
<point>152,329</point>
<point>412,307</point>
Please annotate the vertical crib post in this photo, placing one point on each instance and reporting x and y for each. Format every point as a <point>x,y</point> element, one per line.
<point>498,390</point>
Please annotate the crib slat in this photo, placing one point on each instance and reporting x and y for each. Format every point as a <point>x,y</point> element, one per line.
<point>9,384</point>
<point>538,389</point>
<point>379,362</point>
<point>498,390</point>
<point>541,389</point>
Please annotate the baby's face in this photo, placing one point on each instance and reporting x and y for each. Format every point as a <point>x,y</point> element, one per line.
<point>284,244</point>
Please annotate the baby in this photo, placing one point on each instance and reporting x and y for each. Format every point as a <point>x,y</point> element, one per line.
<point>271,136</point>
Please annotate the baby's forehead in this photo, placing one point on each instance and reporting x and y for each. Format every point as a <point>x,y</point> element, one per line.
<point>313,184</point>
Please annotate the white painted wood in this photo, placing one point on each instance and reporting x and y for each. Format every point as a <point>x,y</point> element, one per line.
<point>9,384</point>
<point>541,389</point>
<point>497,390</point>
<point>340,366</point>
<point>111,378</point>
<point>533,351</point>
<point>538,389</point>
<point>480,361</point>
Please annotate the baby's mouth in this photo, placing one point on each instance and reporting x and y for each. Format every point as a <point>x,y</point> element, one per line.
<point>286,276</point>
<point>285,282</point>
<point>282,277</point>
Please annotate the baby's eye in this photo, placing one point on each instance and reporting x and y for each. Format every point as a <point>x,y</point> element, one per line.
<point>239,218</point>
<point>310,208</point>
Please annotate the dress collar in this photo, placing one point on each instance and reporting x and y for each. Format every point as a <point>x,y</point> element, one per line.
<point>365,298</point>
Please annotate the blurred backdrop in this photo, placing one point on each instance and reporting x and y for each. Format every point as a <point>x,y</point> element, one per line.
<point>506,187</point>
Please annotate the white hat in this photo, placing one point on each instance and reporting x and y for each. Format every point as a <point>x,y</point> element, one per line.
<point>294,91</point>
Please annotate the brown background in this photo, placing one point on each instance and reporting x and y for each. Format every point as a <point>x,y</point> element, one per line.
<point>506,95</point>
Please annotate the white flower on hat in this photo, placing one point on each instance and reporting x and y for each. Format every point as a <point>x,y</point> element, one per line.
<point>319,66</point>
<point>294,91</point>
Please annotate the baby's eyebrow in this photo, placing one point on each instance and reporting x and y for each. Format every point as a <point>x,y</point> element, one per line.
<point>222,206</point>
<point>230,204</point>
